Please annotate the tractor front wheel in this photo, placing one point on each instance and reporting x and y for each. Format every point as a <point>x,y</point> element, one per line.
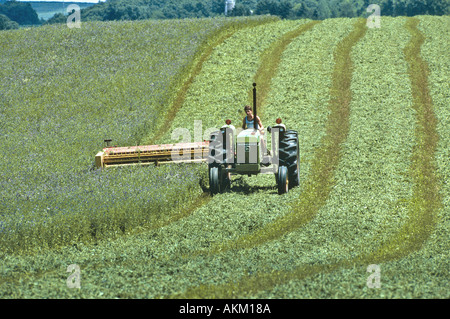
<point>214,183</point>
<point>283,182</point>
<point>225,181</point>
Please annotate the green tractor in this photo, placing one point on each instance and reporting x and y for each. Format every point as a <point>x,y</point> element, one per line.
<point>245,153</point>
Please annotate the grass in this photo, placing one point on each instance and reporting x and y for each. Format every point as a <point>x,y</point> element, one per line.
<point>426,199</point>
<point>195,70</point>
<point>226,77</point>
<point>369,203</point>
<point>75,88</point>
<point>318,186</point>
<point>270,61</point>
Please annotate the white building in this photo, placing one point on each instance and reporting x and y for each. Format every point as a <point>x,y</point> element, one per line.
<point>229,5</point>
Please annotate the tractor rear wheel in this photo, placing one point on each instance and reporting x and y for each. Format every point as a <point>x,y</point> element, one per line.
<point>290,157</point>
<point>283,180</point>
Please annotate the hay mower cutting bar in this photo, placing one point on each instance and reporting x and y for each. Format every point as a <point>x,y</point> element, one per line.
<point>196,152</point>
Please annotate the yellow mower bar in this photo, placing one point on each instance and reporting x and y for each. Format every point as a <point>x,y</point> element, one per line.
<point>196,152</point>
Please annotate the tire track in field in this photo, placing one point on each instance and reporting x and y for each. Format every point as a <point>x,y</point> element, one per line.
<point>326,159</point>
<point>195,71</point>
<point>423,206</point>
<point>426,199</point>
<point>270,60</point>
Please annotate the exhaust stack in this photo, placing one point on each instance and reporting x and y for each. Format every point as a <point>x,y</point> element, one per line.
<point>254,107</point>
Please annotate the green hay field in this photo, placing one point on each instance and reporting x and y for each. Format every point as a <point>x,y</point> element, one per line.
<point>371,109</point>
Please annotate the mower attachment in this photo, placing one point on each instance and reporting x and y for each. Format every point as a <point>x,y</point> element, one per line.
<point>196,152</point>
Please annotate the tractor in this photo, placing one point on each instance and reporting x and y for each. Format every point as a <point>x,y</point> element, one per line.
<point>246,153</point>
<point>228,151</point>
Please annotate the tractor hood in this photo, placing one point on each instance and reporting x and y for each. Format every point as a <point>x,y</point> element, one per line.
<point>249,136</point>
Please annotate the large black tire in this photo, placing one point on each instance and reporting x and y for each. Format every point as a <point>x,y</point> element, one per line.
<point>290,157</point>
<point>225,180</point>
<point>214,182</point>
<point>220,180</point>
<point>283,180</point>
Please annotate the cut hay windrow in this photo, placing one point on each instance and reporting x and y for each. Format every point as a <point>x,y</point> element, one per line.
<point>318,186</point>
<point>435,53</point>
<point>426,200</point>
<point>215,40</point>
<point>414,230</point>
<point>270,60</point>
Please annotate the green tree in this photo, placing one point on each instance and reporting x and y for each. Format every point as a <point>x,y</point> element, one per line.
<point>347,9</point>
<point>416,7</point>
<point>324,10</point>
<point>334,8</point>
<point>218,6</point>
<point>202,9</point>
<point>266,7</point>
<point>400,8</point>
<point>239,10</point>
<point>20,12</point>
<point>310,9</point>
<point>7,24</point>
<point>299,11</point>
<point>57,18</point>
<point>431,7</point>
<point>439,7</point>
<point>284,9</point>
<point>387,8</point>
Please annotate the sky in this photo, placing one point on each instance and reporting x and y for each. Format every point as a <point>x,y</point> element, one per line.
<point>84,1</point>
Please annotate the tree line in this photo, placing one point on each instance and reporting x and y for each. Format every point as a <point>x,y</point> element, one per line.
<point>286,9</point>
<point>14,13</point>
<point>325,9</point>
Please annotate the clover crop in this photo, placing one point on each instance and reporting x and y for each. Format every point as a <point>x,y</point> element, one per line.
<point>63,91</point>
<point>180,243</point>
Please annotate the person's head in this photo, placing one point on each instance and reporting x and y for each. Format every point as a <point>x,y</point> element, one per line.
<point>248,110</point>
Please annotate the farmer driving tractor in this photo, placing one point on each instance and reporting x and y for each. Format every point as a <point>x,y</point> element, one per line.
<point>249,122</point>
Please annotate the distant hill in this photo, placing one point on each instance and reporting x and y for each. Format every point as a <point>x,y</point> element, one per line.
<point>46,10</point>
